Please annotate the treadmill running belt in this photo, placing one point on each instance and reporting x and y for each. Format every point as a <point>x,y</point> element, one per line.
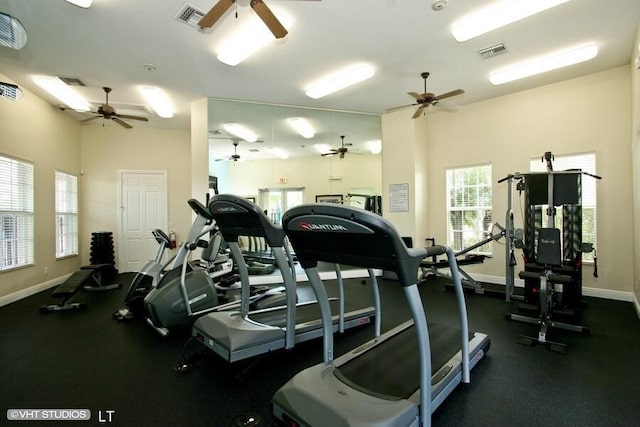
<point>304,313</point>
<point>391,369</point>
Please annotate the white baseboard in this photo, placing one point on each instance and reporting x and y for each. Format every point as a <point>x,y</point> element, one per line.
<point>24,293</point>
<point>588,292</point>
<point>636,304</point>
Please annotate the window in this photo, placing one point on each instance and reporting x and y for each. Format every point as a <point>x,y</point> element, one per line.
<point>278,200</point>
<point>587,163</point>
<point>469,207</point>
<point>16,213</point>
<point>66,214</point>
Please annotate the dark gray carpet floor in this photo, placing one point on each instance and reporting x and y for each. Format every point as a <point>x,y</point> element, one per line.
<point>124,371</point>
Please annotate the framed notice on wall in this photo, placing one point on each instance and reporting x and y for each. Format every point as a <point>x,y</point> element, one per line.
<point>399,197</point>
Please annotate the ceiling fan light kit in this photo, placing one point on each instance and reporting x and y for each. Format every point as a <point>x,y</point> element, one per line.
<point>498,15</point>
<point>62,92</point>
<point>545,63</point>
<point>344,78</point>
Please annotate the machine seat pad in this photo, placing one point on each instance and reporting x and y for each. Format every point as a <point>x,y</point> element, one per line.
<point>72,284</point>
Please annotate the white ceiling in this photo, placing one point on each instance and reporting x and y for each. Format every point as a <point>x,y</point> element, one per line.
<point>109,44</point>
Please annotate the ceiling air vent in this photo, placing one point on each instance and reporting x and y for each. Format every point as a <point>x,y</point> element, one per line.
<point>190,15</point>
<point>72,81</point>
<point>491,51</point>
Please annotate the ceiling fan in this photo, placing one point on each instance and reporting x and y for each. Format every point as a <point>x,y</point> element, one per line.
<point>107,112</point>
<point>235,156</point>
<point>426,99</point>
<point>342,150</point>
<point>261,9</point>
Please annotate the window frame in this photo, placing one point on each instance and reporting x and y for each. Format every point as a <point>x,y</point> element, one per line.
<point>17,229</point>
<point>463,203</point>
<point>66,214</point>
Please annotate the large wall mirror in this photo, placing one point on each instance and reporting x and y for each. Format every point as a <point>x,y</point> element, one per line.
<point>276,160</point>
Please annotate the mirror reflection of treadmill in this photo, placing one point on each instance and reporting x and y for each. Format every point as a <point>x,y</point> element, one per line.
<point>384,381</point>
<point>240,334</point>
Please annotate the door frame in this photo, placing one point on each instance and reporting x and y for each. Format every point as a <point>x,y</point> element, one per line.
<point>121,172</point>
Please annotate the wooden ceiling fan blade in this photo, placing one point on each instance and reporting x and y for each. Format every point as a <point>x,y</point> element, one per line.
<point>401,107</point>
<point>122,123</point>
<point>449,94</point>
<point>126,116</point>
<point>215,13</point>
<point>419,111</point>
<point>269,19</point>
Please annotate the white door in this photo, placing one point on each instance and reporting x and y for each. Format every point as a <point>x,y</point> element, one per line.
<point>143,208</point>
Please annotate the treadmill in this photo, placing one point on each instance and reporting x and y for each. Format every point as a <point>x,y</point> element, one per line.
<point>240,334</point>
<point>399,378</point>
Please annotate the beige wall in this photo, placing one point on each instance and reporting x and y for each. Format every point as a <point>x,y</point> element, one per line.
<point>106,149</point>
<point>591,113</point>
<point>635,147</point>
<point>34,131</point>
<point>355,171</point>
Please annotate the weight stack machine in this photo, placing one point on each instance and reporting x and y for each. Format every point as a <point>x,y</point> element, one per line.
<point>567,197</point>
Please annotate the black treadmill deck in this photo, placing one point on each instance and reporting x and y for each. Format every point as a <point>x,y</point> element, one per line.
<point>391,369</point>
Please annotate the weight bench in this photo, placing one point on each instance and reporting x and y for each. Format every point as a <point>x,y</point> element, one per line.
<point>98,272</point>
<point>430,267</point>
<point>78,280</point>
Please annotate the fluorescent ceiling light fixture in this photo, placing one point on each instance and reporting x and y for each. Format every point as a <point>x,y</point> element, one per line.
<point>544,64</point>
<point>340,80</point>
<point>240,131</point>
<point>498,15</point>
<point>64,93</point>
<point>279,152</point>
<point>247,39</point>
<point>158,101</point>
<point>12,32</point>
<point>302,126</point>
<point>375,146</point>
<point>322,148</point>
<point>81,3</point>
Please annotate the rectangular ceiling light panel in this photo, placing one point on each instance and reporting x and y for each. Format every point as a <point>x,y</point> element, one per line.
<point>544,64</point>
<point>158,101</point>
<point>498,15</point>
<point>340,80</point>
<point>64,93</point>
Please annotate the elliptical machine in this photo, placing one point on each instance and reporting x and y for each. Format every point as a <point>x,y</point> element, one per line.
<point>189,292</point>
<point>145,279</point>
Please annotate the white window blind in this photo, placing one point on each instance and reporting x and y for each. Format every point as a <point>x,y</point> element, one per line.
<point>469,207</point>
<point>587,163</point>
<point>16,213</point>
<point>66,214</point>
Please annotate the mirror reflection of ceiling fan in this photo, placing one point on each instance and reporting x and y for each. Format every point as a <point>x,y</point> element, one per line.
<point>107,112</point>
<point>424,100</point>
<point>261,9</point>
<point>235,156</point>
<point>341,151</point>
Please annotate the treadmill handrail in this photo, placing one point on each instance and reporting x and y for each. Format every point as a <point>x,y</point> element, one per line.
<point>357,237</point>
